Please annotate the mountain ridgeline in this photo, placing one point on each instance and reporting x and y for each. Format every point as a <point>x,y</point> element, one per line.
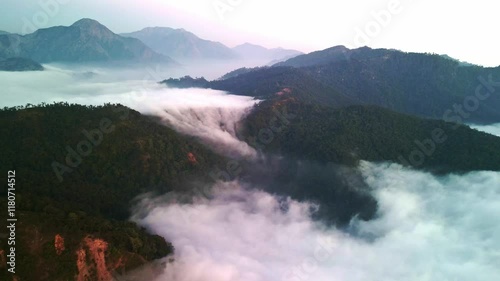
<point>375,105</point>
<point>81,169</point>
<point>422,85</point>
<point>183,45</point>
<point>252,51</point>
<point>85,41</point>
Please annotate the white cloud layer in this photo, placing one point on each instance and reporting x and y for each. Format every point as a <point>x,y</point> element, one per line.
<point>208,114</point>
<point>493,129</point>
<point>428,228</point>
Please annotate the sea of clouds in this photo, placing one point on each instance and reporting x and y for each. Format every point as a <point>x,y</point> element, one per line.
<point>427,228</point>
<point>210,115</point>
<point>493,129</point>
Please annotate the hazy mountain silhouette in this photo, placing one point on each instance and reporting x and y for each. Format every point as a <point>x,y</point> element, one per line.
<point>181,44</point>
<point>85,41</point>
<point>252,51</point>
<point>20,64</point>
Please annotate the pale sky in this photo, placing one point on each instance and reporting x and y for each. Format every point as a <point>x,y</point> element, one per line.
<point>466,30</point>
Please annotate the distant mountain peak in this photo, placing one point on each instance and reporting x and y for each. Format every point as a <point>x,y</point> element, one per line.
<point>181,44</point>
<point>93,27</point>
<point>249,45</point>
<point>340,47</point>
<point>253,51</point>
<point>86,22</point>
<point>86,40</point>
<point>156,28</point>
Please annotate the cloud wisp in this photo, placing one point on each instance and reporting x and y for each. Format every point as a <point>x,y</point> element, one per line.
<point>493,129</point>
<point>210,115</point>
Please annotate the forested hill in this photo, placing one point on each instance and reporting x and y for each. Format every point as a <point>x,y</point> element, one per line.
<point>20,64</point>
<point>423,85</point>
<point>350,134</point>
<point>77,170</point>
<point>426,85</point>
<point>270,83</point>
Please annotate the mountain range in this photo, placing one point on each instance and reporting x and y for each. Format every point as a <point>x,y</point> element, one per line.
<point>425,85</point>
<point>89,41</point>
<point>84,41</point>
<point>252,51</point>
<point>422,85</point>
<point>183,45</point>
<point>320,115</point>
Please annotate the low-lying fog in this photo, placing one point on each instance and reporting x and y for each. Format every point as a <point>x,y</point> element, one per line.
<point>427,228</point>
<point>493,129</point>
<point>208,114</point>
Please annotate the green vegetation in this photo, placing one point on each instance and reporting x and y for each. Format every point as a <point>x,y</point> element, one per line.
<point>268,83</point>
<point>135,155</point>
<point>186,82</point>
<point>347,135</point>
<point>240,71</point>
<point>37,258</point>
<point>425,85</point>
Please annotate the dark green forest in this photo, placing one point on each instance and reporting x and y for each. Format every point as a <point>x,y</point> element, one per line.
<point>422,85</point>
<point>135,155</point>
<point>350,134</point>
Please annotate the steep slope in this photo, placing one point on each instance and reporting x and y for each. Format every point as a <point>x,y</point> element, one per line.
<point>10,46</point>
<point>77,170</point>
<point>181,44</point>
<point>418,84</point>
<point>57,245</point>
<point>98,181</point>
<point>85,41</point>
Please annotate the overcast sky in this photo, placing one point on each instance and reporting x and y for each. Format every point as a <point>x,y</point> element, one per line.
<point>466,30</point>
